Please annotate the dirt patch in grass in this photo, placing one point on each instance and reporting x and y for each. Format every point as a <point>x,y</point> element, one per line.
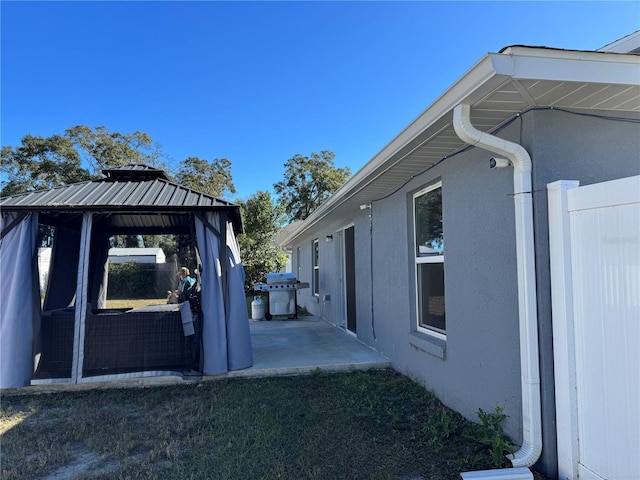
<point>83,461</point>
<point>358,425</point>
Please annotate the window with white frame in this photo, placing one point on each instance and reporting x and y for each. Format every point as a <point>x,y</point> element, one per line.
<point>316,267</point>
<point>429,260</point>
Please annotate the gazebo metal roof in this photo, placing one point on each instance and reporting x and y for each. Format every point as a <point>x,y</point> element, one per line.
<point>130,198</point>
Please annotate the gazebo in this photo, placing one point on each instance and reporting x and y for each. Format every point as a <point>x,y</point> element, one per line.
<point>71,336</point>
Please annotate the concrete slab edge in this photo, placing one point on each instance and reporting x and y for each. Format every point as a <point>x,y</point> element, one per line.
<point>146,382</point>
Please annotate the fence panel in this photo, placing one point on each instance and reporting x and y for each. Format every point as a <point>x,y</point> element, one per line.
<point>601,326</point>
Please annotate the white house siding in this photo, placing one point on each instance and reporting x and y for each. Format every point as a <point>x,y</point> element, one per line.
<point>479,366</point>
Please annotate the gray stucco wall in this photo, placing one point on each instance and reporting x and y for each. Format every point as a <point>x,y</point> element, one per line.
<point>478,366</point>
<point>330,269</point>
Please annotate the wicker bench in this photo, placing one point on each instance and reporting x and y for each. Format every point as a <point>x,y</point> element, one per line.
<point>117,341</point>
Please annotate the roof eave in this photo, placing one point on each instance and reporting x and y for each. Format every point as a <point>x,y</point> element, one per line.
<point>488,74</point>
<point>478,75</point>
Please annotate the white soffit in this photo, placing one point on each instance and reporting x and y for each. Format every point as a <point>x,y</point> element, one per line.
<point>498,87</point>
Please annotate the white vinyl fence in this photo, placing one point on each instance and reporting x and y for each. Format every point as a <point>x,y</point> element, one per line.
<point>594,236</point>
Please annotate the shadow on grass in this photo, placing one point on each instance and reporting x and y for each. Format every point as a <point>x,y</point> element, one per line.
<point>357,425</point>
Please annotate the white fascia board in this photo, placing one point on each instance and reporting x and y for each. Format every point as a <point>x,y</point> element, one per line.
<point>572,66</point>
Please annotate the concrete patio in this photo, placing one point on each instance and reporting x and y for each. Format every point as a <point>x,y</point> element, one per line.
<point>290,347</point>
<point>280,347</point>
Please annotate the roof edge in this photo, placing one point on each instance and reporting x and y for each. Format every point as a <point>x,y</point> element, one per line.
<point>492,70</point>
<point>479,74</point>
<point>627,44</point>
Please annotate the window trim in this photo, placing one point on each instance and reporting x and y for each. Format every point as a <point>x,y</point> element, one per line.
<point>417,260</point>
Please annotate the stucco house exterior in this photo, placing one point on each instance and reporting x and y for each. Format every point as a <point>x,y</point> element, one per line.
<point>439,259</point>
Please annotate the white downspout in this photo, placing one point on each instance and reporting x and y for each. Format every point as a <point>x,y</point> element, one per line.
<point>525,251</point>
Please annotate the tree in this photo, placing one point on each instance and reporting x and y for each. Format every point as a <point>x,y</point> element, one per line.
<point>81,153</point>
<point>78,155</point>
<point>308,181</point>
<point>40,163</point>
<point>263,219</point>
<point>102,148</point>
<point>213,178</point>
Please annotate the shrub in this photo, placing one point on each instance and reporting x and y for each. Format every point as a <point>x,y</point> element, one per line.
<point>140,280</point>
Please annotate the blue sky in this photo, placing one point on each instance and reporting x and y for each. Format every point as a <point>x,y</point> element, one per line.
<point>258,82</point>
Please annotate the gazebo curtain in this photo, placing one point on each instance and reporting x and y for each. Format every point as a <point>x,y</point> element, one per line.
<point>82,277</point>
<point>20,301</point>
<point>226,338</point>
<point>240,355</point>
<point>61,287</point>
<point>98,270</point>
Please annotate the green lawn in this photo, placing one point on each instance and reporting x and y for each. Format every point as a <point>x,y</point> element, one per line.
<point>357,425</point>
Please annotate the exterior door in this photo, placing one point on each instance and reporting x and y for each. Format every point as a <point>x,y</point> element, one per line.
<point>350,279</point>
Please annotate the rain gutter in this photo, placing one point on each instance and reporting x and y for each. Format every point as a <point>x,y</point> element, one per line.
<point>519,158</point>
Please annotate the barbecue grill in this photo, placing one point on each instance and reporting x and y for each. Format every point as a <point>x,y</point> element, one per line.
<point>282,290</point>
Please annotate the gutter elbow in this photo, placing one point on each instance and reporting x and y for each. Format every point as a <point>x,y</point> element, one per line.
<point>463,127</point>
<point>527,455</point>
<point>471,135</point>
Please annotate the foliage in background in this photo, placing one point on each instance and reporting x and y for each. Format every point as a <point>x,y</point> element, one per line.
<point>78,155</point>
<point>212,178</point>
<point>81,153</point>
<point>133,279</point>
<point>308,181</point>
<point>127,241</point>
<point>101,148</point>
<point>41,163</point>
<point>263,219</point>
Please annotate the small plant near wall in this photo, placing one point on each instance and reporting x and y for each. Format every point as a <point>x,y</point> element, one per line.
<point>445,424</point>
<point>490,433</point>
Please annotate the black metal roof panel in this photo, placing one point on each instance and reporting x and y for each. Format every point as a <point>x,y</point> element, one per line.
<point>134,190</point>
<point>115,194</point>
